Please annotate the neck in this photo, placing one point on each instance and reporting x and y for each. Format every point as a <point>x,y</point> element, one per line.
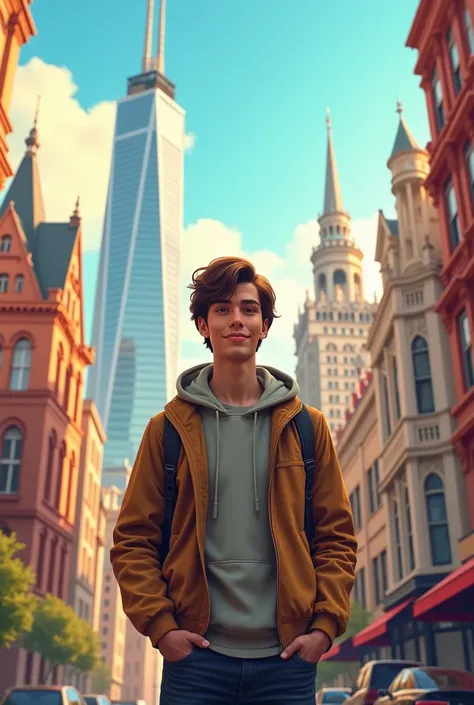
<point>235,384</point>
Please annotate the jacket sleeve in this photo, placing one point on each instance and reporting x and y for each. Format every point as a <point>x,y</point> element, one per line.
<point>137,537</point>
<point>334,545</point>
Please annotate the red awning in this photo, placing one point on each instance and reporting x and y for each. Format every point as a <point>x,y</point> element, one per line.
<point>450,600</point>
<point>376,633</point>
<point>344,651</point>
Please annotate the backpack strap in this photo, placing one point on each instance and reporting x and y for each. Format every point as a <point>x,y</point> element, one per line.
<point>172,450</point>
<point>304,426</point>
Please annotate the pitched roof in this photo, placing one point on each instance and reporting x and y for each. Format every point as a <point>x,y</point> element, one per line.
<point>404,140</point>
<point>51,244</point>
<point>54,247</point>
<point>25,191</point>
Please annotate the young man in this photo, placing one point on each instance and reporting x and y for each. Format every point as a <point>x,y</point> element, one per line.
<point>242,608</point>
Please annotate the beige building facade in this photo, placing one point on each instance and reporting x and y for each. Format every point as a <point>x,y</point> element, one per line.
<point>420,497</point>
<point>143,668</point>
<point>332,329</point>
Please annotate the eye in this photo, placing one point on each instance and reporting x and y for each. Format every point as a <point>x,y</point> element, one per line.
<point>250,309</point>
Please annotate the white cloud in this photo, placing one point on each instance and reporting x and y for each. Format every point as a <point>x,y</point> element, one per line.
<point>75,158</point>
<point>189,141</point>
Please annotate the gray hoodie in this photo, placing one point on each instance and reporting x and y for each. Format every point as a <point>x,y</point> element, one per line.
<point>240,556</point>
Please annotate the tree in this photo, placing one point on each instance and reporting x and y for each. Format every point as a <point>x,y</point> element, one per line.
<point>17,604</point>
<point>101,677</point>
<point>328,671</point>
<point>61,637</point>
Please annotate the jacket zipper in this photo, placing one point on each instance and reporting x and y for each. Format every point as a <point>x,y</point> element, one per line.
<point>272,470</point>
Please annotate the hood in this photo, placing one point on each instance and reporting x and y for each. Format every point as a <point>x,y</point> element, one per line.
<point>193,386</point>
<point>278,387</point>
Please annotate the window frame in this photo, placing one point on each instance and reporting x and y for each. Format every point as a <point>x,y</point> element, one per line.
<point>422,381</point>
<point>454,228</point>
<point>454,60</point>
<point>435,524</point>
<point>438,100</point>
<point>12,461</point>
<point>466,350</point>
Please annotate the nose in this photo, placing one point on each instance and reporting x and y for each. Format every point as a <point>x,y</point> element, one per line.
<point>236,319</point>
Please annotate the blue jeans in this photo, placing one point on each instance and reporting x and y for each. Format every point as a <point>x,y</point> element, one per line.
<point>205,677</point>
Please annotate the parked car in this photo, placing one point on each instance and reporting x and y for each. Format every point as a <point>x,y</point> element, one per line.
<point>373,676</point>
<point>42,695</point>
<point>440,686</point>
<point>96,699</point>
<point>332,696</point>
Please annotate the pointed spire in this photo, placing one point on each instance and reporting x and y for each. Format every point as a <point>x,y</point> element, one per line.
<point>332,193</point>
<point>75,218</point>
<point>404,140</point>
<point>161,39</point>
<point>31,141</point>
<point>148,37</point>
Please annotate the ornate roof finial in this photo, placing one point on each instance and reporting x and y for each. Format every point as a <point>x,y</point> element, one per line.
<point>328,118</point>
<point>76,209</point>
<point>400,108</point>
<point>75,218</point>
<point>31,141</point>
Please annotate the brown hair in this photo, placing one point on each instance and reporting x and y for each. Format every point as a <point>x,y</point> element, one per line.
<point>218,281</point>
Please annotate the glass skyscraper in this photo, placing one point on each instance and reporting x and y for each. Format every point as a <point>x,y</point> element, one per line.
<point>136,315</point>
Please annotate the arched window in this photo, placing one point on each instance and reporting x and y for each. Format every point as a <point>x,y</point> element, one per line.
<point>339,277</point>
<point>70,487</point>
<point>322,284</point>
<point>357,287</point>
<point>48,483</point>
<point>78,393</point>
<point>67,387</point>
<point>411,549</point>
<point>59,362</point>
<point>6,243</point>
<point>398,540</point>
<point>422,375</point>
<point>10,460</point>
<point>21,364</point>
<point>437,520</point>
<point>59,475</point>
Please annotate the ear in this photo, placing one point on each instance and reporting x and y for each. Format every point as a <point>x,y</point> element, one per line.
<point>264,331</point>
<point>203,327</point>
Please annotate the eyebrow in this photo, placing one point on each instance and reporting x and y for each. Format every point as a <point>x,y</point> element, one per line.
<point>246,302</point>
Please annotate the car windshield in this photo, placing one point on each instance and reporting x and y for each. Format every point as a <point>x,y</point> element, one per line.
<point>384,673</point>
<point>441,679</point>
<point>34,697</point>
<point>334,697</point>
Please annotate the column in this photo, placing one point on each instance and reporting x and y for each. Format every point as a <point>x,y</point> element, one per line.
<point>388,363</point>
<point>425,212</point>
<point>379,403</point>
<point>418,516</point>
<point>399,496</point>
<point>387,509</point>
<point>406,386</point>
<point>456,503</point>
<point>412,221</point>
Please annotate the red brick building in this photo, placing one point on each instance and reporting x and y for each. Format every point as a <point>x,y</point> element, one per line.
<point>443,34</point>
<point>43,359</point>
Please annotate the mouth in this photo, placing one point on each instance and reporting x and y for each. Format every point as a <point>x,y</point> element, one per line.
<point>237,337</point>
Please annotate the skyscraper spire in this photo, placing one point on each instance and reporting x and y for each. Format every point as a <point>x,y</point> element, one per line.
<point>148,37</point>
<point>332,193</point>
<point>161,39</point>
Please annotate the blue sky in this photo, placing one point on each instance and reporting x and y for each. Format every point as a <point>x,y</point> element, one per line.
<point>255,78</point>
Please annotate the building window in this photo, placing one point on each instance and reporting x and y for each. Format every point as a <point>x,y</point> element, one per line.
<point>388,422</point>
<point>466,350</point>
<point>6,243</point>
<point>373,482</point>
<point>10,460</point>
<point>19,283</point>
<point>376,579</point>
<point>437,520</point>
<point>40,560</point>
<point>438,101</point>
<point>67,387</point>
<point>359,588</point>
<point>469,32</point>
<point>422,375</point>
<point>455,63</point>
<point>356,508</point>
<point>3,283</point>
<point>52,565</point>
<point>383,565</point>
<point>59,477</point>
<point>70,488</point>
<point>453,217</point>
<point>398,411</point>
<point>20,372</point>
<point>469,156</point>
<point>411,550</point>
<point>398,541</point>
<point>62,571</point>
<point>50,466</point>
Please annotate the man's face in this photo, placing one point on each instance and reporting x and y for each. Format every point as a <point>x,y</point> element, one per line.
<point>235,326</point>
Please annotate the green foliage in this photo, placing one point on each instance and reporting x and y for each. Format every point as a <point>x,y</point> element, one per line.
<point>101,677</point>
<point>61,637</point>
<point>17,604</point>
<point>329,671</point>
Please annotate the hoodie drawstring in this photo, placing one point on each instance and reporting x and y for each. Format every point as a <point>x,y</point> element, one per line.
<point>254,463</point>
